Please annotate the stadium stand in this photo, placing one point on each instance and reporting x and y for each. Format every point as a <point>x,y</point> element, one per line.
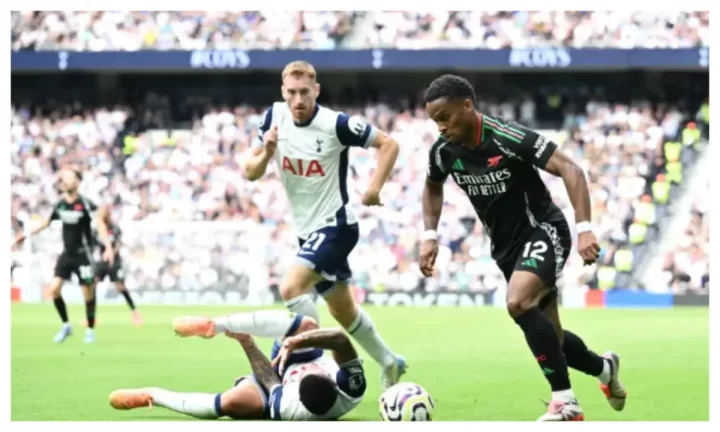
<point>171,158</point>
<point>520,29</point>
<point>132,31</point>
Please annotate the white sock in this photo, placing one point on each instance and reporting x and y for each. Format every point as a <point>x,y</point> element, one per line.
<point>304,305</point>
<point>268,323</point>
<point>199,405</point>
<point>606,373</point>
<point>363,331</point>
<point>564,395</point>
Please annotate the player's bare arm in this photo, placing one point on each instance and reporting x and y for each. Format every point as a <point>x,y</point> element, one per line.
<point>576,184</point>
<point>256,165</point>
<point>261,367</point>
<point>432,203</point>
<point>102,216</point>
<point>21,237</point>
<point>334,340</point>
<point>388,150</point>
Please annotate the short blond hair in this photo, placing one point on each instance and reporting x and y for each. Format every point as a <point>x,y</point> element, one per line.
<point>299,68</point>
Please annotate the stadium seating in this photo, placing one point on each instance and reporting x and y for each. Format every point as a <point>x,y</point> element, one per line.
<point>520,29</point>
<point>166,179</point>
<point>132,31</point>
<point>183,30</point>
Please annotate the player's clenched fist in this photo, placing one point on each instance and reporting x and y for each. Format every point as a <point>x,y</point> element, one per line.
<point>428,253</point>
<point>270,139</point>
<point>588,247</point>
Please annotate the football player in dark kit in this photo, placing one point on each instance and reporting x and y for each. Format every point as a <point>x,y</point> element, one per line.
<point>114,270</point>
<point>496,164</point>
<point>76,214</point>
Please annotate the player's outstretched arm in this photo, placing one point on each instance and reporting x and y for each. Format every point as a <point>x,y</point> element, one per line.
<point>264,149</point>
<point>101,219</point>
<point>331,339</point>
<point>388,150</point>
<point>575,183</point>
<point>256,164</point>
<point>44,224</point>
<point>539,151</point>
<point>261,367</point>
<point>432,202</point>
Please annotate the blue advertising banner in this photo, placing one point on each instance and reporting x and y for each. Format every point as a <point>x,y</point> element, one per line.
<point>637,299</point>
<point>355,60</point>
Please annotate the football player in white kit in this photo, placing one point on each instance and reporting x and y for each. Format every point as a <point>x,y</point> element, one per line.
<point>310,145</point>
<point>299,384</point>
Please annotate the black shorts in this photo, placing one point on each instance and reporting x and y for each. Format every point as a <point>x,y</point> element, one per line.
<point>79,264</point>
<point>543,253</point>
<point>115,271</point>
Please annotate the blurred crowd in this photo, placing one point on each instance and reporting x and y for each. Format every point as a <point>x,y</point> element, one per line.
<point>520,29</point>
<point>687,267</point>
<point>178,30</point>
<point>160,180</point>
<point>132,31</point>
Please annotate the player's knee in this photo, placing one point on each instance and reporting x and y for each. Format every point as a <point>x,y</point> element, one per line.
<point>56,288</point>
<point>307,324</point>
<point>298,280</point>
<point>234,405</point>
<point>518,305</point>
<point>291,288</point>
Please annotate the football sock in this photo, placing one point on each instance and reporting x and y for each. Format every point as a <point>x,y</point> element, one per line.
<point>269,323</point>
<point>61,309</point>
<point>128,299</point>
<point>199,405</point>
<point>363,331</point>
<point>90,312</point>
<point>579,357</point>
<point>545,346</point>
<point>304,305</point>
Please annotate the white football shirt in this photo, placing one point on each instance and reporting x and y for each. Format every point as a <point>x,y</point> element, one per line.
<point>313,161</point>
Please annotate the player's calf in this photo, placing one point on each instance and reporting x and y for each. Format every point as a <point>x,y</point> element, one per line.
<point>540,333</point>
<point>359,325</point>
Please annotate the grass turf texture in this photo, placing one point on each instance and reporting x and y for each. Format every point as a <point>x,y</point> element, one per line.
<point>474,362</point>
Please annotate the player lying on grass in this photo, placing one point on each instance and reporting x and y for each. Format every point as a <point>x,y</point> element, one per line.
<point>299,384</point>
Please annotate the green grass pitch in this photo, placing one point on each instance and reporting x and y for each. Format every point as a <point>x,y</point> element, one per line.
<point>473,361</point>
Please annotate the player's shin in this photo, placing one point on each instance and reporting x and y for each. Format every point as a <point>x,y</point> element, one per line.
<point>363,331</point>
<point>61,309</point>
<point>580,358</point>
<point>126,294</point>
<point>545,346</point>
<point>199,405</point>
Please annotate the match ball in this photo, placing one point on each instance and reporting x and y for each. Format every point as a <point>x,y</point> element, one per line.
<point>406,402</point>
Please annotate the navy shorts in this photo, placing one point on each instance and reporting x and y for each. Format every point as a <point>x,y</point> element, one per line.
<point>326,252</point>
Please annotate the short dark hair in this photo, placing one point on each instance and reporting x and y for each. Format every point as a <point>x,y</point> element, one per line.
<point>451,87</point>
<point>317,394</point>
